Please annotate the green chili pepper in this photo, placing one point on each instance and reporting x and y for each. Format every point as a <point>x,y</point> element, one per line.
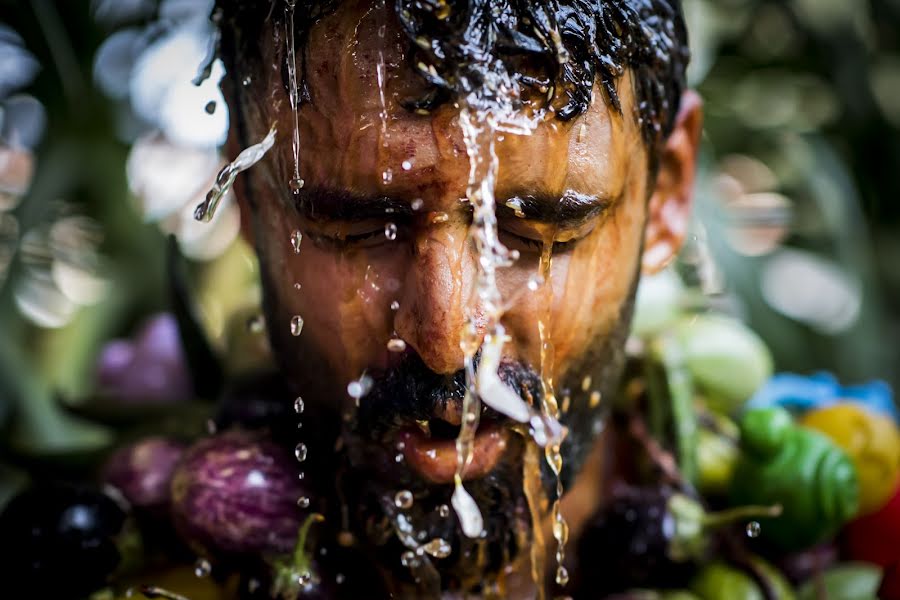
<point>803,471</point>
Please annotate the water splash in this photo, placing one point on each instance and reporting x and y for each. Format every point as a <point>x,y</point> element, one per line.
<point>248,157</point>
<point>293,95</point>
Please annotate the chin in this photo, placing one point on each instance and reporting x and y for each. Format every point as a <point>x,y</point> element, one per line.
<point>396,532</point>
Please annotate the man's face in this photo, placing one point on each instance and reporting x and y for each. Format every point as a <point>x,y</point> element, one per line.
<point>385,275</point>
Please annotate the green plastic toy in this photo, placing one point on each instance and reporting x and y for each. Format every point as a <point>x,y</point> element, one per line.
<point>802,470</point>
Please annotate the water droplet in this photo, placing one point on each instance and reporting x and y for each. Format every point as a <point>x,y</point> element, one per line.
<point>256,324</point>
<point>516,205</point>
<point>296,184</point>
<point>202,568</point>
<point>339,578</point>
<point>396,345</point>
<point>253,585</point>
<point>403,499</point>
<point>299,405</point>
<point>398,458</point>
<point>300,452</point>
<point>444,511</point>
<point>359,388</point>
<point>304,579</point>
<point>246,81</point>
<point>753,529</point>
<point>595,399</point>
<point>562,576</point>
<point>438,548</point>
<point>408,559</point>
<point>211,427</point>
<point>406,165</point>
<point>303,502</point>
<point>535,282</point>
<point>586,383</point>
<point>390,231</point>
<point>296,238</point>
<point>297,286</point>
<point>439,217</point>
<point>296,325</point>
<point>301,475</point>
<point>417,204</point>
<point>210,107</point>
<point>395,305</point>
<point>387,176</point>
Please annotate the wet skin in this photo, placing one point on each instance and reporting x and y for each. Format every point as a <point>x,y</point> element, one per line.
<point>585,188</point>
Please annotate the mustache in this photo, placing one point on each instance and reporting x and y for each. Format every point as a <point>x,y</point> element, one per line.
<point>410,391</point>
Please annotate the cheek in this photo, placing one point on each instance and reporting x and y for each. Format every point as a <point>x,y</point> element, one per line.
<point>587,290</point>
<point>344,298</point>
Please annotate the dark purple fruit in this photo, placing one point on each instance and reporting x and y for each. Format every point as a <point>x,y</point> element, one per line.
<point>150,368</point>
<point>60,540</point>
<point>236,494</point>
<point>143,471</point>
<point>627,545</point>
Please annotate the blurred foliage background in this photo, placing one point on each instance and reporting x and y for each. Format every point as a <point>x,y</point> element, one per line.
<point>796,227</point>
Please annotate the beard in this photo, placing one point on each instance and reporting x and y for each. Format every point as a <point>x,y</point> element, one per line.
<point>361,482</point>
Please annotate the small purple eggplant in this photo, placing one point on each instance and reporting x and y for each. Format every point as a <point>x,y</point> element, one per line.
<point>150,368</point>
<point>143,471</point>
<point>237,494</point>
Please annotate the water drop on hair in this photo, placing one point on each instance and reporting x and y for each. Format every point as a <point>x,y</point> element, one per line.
<point>296,184</point>
<point>403,499</point>
<point>395,305</point>
<point>444,511</point>
<point>387,176</point>
<point>390,231</point>
<point>417,204</point>
<point>296,239</point>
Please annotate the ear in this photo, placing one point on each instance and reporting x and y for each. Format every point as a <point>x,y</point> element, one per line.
<point>669,208</point>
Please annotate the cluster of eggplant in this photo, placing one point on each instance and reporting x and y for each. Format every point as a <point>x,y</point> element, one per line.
<point>785,486</point>
<point>208,507</point>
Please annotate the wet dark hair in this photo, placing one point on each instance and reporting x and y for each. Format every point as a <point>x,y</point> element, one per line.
<point>558,48</point>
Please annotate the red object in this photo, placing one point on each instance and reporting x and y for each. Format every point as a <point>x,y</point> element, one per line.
<point>875,538</point>
<point>890,584</point>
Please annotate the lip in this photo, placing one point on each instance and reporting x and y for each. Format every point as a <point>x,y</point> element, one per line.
<point>435,459</point>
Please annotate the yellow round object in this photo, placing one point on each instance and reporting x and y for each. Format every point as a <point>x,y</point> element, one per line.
<point>873,443</point>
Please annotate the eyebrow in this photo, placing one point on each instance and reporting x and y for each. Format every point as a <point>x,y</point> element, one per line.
<point>333,204</point>
<point>569,210</point>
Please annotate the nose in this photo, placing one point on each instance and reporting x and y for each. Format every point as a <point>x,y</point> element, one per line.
<point>437,297</point>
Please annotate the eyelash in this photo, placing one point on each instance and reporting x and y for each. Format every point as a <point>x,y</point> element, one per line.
<point>538,246</point>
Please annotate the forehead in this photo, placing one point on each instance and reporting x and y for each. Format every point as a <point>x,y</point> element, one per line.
<point>356,134</point>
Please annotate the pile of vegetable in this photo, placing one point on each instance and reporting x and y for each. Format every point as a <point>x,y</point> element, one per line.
<point>748,485</point>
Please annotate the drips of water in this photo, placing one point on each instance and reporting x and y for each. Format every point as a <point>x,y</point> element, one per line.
<point>444,511</point>
<point>536,498</point>
<point>300,452</point>
<point>753,529</point>
<point>296,325</point>
<point>303,502</point>
<point>248,157</point>
<point>296,239</point>
<point>438,548</point>
<point>299,405</point>
<point>396,345</point>
<point>293,95</point>
<point>395,305</point>
<point>390,231</point>
<point>360,387</point>
<point>202,568</point>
